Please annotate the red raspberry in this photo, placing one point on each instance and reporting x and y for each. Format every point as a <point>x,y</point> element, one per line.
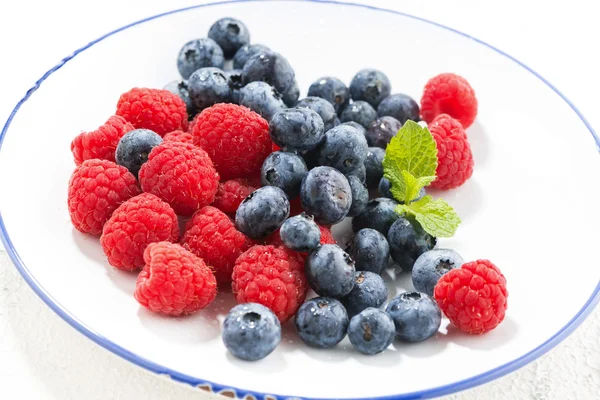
<point>271,276</point>
<point>455,160</point>
<point>156,109</point>
<point>449,94</point>
<point>101,143</point>
<point>231,193</point>
<point>139,221</point>
<point>212,236</point>
<point>236,138</point>
<point>174,281</point>
<point>191,124</point>
<point>96,189</point>
<point>473,297</point>
<point>296,206</point>
<point>275,148</point>
<point>178,136</point>
<point>182,175</point>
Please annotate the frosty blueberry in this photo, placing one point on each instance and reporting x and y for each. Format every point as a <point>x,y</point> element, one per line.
<point>300,233</point>
<point>333,90</point>
<point>370,85</point>
<point>208,86</point>
<point>321,107</point>
<point>369,291</point>
<point>245,52</point>
<point>360,112</point>
<point>372,331</point>
<point>399,106</point>
<point>382,130</point>
<point>326,194</point>
<point>373,166</point>
<point>379,214</point>
<point>370,250</point>
<point>199,53</point>
<point>134,147</point>
<point>321,322</point>
<point>330,271</point>
<point>416,316</point>
<point>343,148</point>
<point>360,196</point>
<point>263,212</point>
<point>296,129</point>
<point>230,34</point>
<point>284,170</point>
<point>431,266</point>
<point>270,67</point>
<point>408,241</point>
<point>261,98</point>
<point>180,88</point>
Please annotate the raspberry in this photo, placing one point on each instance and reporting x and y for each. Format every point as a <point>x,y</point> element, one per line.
<point>455,160</point>
<point>178,136</point>
<point>156,109</point>
<point>101,143</point>
<point>271,276</point>
<point>449,94</point>
<point>139,221</point>
<point>96,189</point>
<point>473,297</point>
<point>180,174</point>
<point>174,281</point>
<point>231,193</point>
<point>295,206</point>
<point>212,236</point>
<point>236,138</point>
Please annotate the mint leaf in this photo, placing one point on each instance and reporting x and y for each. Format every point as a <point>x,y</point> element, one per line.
<point>436,217</point>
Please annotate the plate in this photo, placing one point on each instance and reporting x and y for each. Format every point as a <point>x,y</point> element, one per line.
<point>529,206</point>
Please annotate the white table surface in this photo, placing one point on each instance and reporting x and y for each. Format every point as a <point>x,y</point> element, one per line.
<point>41,357</point>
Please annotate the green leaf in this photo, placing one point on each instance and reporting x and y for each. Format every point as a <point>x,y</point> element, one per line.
<point>436,217</point>
<point>409,187</point>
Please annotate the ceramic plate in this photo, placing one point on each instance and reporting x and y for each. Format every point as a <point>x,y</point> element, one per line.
<point>528,207</point>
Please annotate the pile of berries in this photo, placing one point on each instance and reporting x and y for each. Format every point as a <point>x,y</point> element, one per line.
<point>256,178</point>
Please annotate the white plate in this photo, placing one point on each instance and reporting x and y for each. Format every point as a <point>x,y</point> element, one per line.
<point>529,207</point>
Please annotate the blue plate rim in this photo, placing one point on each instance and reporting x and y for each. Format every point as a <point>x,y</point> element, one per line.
<point>216,387</point>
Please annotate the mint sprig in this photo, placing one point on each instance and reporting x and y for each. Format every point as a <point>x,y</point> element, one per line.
<point>410,163</point>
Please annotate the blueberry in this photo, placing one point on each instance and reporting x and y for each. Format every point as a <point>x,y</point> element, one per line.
<point>199,53</point>
<point>180,88</point>
<point>408,241</point>
<point>326,194</point>
<point>344,148</point>
<point>360,112</point>
<point>330,271</point>
<point>379,214</point>
<point>208,86</point>
<point>382,130</point>
<point>134,147</point>
<point>399,106</point>
<point>321,107</point>
<point>230,34</point>
<point>370,85</point>
<point>270,67</point>
<point>374,166</point>
<point>321,322</point>
<point>372,331</point>
<point>370,250</point>
<point>296,129</point>
<point>290,98</point>
<point>357,126</point>
<point>369,291</point>
<point>245,52</point>
<point>416,316</point>
<point>431,266</point>
<point>333,90</point>
<point>300,233</point>
<point>262,212</point>
<point>360,173</point>
<point>261,98</point>
<point>251,331</point>
<point>360,196</point>
<point>234,80</point>
<point>385,190</point>
<point>284,170</point>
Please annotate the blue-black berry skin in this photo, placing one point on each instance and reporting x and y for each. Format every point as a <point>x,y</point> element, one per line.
<point>431,266</point>
<point>360,173</point>
<point>180,88</point>
<point>330,271</point>
<point>209,86</point>
<point>261,98</point>
<point>231,34</point>
<point>399,106</point>
<point>382,130</point>
<point>357,126</point>
<point>372,331</point>
<point>235,84</point>
<point>270,67</point>
<point>374,166</point>
<point>297,129</point>
<point>360,196</point>
<point>290,98</point>
<point>379,214</point>
<point>370,250</point>
<point>262,212</point>
<point>369,291</point>
<point>370,85</point>
<point>245,52</point>
<point>333,90</point>
<point>284,170</point>
<point>134,147</point>
<point>360,112</point>
<point>416,316</point>
<point>408,241</point>
<point>251,331</point>
<point>343,148</point>
<point>300,233</point>
<point>199,53</point>
<point>321,322</point>
<point>326,194</point>
<point>321,107</point>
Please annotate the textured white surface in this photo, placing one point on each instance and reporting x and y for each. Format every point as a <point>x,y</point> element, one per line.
<point>40,355</point>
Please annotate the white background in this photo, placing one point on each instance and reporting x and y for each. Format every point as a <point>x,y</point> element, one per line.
<point>41,357</point>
